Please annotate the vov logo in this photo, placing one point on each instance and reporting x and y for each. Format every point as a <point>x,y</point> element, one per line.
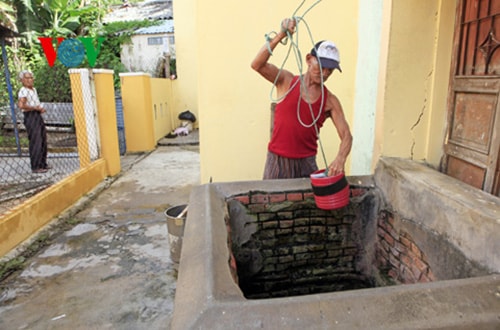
<point>71,52</point>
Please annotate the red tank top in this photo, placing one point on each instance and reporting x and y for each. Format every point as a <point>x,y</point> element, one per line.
<point>290,137</point>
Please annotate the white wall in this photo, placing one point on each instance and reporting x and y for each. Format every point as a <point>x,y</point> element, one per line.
<point>139,56</point>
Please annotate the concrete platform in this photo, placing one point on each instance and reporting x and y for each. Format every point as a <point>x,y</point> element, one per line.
<point>209,298</point>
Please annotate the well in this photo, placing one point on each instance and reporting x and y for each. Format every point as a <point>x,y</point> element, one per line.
<point>261,255</point>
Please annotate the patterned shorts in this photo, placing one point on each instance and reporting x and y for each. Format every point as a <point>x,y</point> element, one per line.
<point>278,167</point>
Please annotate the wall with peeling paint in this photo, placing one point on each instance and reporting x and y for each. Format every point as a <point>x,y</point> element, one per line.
<point>413,116</point>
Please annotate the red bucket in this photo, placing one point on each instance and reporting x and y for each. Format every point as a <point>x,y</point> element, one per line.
<point>330,192</point>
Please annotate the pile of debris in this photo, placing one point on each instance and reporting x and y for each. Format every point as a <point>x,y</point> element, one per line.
<point>187,119</point>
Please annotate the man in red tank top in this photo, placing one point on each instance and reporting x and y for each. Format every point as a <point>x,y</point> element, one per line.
<point>304,105</point>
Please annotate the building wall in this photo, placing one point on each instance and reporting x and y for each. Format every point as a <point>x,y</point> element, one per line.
<point>233,100</point>
<point>413,116</point>
<point>185,90</point>
<point>370,41</point>
<point>140,56</point>
<point>393,91</point>
<point>439,96</point>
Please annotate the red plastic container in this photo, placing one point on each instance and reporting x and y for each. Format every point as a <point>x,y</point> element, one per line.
<point>330,192</point>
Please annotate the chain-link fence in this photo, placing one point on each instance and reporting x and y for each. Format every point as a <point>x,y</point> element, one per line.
<point>35,154</point>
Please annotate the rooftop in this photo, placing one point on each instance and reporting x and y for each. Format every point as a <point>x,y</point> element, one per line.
<point>165,27</point>
<point>151,10</point>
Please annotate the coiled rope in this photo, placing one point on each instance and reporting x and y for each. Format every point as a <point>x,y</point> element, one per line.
<point>298,56</point>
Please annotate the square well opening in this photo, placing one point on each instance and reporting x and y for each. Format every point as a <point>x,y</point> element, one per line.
<point>261,255</point>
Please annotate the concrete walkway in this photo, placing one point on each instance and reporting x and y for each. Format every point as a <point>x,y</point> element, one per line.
<point>111,267</point>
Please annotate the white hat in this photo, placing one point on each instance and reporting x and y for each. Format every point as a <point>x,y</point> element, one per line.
<point>327,54</point>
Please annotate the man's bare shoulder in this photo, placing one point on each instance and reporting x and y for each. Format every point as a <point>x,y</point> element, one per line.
<point>333,102</point>
<point>284,82</point>
<point>285,78</point>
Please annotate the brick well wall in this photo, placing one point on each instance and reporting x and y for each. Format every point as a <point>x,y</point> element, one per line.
<point>398,256</point>
<point>283,245</point>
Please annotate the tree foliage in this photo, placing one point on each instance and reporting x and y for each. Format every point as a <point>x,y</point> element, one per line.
<point>7,15</point>
<point>63,18</point>
<point>15,83</point>
<point>115,34</point>
<point>52,83</point>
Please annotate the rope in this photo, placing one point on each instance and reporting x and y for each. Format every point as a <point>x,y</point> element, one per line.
<point>298,56</point>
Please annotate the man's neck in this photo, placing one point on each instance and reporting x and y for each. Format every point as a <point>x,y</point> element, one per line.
<point>310,89</point>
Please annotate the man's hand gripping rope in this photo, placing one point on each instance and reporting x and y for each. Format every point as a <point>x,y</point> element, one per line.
<point>288,26</point>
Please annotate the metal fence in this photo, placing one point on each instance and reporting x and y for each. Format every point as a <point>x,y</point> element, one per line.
<point>17,180</point>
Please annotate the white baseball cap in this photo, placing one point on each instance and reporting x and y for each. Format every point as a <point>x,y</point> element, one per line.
<point>327,54</point>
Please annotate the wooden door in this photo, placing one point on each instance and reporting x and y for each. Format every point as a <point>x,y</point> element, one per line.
<point>473,138</point>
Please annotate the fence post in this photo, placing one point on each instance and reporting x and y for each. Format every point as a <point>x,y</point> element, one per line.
<point>106,116</point>
<point>83,107</point>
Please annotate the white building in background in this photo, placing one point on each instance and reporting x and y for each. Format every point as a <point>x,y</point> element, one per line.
<point>150,49</point>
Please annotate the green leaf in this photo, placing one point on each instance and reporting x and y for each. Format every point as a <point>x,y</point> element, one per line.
<point>6,7</point>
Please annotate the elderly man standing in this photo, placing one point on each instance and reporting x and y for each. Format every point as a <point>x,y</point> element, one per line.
<point>304,106</point>
<point>35,126</point>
